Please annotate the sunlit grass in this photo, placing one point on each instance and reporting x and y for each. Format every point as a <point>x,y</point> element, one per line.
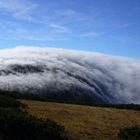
<point>85,122</point>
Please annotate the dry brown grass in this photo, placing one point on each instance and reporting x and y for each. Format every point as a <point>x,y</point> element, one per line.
<point>85,122</point>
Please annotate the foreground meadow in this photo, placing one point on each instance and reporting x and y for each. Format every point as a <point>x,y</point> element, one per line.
<point>85,122</point>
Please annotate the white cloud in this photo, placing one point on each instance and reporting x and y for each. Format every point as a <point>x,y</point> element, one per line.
<point>18,8</point>
<point>59,28</point>
<point>92,34</point>
<point>15,31</point>
<point>108,78</point>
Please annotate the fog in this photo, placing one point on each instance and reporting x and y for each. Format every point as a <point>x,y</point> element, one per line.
<point>110,79</point>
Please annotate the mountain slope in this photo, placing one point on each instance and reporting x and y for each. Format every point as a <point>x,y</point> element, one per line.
<point>70,75</point>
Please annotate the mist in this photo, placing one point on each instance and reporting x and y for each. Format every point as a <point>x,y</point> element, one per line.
<point>70,73</point>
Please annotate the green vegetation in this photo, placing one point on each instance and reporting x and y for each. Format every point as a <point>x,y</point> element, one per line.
<point>16,124</point>
<point>132,133</point>
<point>6,102</point>
<point>30,96</point>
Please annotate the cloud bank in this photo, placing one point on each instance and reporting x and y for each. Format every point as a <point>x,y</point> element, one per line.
<point>70,75</point>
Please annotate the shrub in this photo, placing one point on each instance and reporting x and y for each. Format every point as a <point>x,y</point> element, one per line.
<point>132,133</point>
<point>16,124</point>
<point>6,101</point>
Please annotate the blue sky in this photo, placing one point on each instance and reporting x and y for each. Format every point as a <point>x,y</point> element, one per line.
<point>108,26</point>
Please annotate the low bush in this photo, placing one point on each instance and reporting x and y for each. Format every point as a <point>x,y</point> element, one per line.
<point>6,101</point>
<point>132,133</point>
<point>16,124</point>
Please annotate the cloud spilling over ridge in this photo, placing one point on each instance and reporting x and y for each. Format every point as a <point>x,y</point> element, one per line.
<point>69,74</point>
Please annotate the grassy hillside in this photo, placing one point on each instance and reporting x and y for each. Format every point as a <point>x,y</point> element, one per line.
<point>17,124</point>
<point>85,122</point>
